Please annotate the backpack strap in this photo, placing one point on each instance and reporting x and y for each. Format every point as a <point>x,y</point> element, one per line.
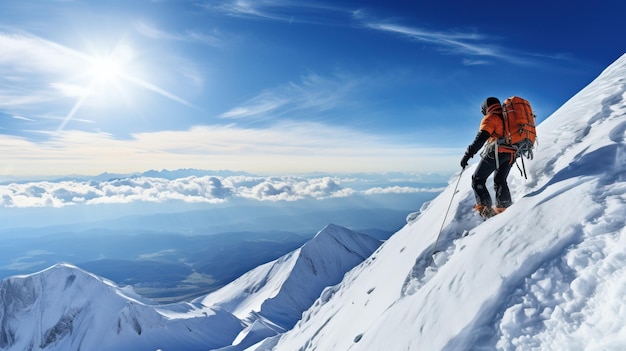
<point>525,149</point>
<point>495,153</point>
<point>505,126</point>
<point>509,149</point>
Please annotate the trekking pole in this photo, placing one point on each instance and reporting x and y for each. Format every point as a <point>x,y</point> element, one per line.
<point>446,216</point>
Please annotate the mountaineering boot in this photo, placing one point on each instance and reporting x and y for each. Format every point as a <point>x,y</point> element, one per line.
<point>485,211</point>
<point>499,210</point>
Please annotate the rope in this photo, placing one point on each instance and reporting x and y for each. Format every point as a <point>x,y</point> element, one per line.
<point>446,215</point>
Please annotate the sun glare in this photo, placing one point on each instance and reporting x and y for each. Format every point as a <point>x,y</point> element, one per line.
<point>108,77</point>
<point>111,67</point>
<point>105,69</point>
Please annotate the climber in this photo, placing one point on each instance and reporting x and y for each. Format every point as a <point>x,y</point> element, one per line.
<point>490,131</point>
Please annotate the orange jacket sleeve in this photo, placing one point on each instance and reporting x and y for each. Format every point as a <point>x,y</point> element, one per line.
<point>492,124</point>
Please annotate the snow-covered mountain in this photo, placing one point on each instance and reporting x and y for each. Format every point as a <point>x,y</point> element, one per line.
<point>65,308</point>
<point>271,298</point>
<point>547,274</point>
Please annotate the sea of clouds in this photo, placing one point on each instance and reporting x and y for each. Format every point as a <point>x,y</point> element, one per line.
<point>191,189</point>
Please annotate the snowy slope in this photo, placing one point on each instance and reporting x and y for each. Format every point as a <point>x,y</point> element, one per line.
<point>271,298</point>
<point>547,274</point>
<point>65,308</point>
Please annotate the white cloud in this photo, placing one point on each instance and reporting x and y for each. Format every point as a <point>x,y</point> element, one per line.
<point>458,43</point>
<point>29,54</point>
<point>314,93</point>
<point>22,118</point>
<point>467,43</point>
<point>288,147</point>
<point>30,66</point>
<point>192,189</point>
<point>152,31</point>
<point>18,99</point>
<point>311,12</point>
<point>251,9</point>
<point>263,103</point>
<point>293,188</point>
<point>206,189</point>
<point>400,190</point>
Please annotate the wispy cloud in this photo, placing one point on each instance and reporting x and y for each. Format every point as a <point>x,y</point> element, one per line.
<point>22,118</point>
<point>281,10</point>
<point>480,47</point>
<point>470,43</point>
<point>15,99</point>
<point>30,65</point>
<point>25,54</point>
<point>261,104</point>
<point>206,189</point>
<point>285,147</point>
<point>474,62</point>
<point>314,93</point>
<point>152,31</point>
<point>248,8</point>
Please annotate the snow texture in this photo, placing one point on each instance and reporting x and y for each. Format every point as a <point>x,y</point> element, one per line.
<point>549,273</point>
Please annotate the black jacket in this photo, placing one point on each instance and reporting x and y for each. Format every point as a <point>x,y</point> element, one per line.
<point>478,143</point>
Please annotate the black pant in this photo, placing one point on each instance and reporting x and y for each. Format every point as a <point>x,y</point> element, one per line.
<point>486,166</point>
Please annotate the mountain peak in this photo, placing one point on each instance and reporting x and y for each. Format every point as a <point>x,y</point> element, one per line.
<point>66,308</point>
<point>271,298</point>
<point>64,269</point>
<point>336,231</point>
<point>334,237</point>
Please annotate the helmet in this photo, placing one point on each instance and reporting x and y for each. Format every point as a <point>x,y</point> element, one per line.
<point>488,102</point>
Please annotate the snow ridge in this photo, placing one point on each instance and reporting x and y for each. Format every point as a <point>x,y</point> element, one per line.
<point>271,298</point>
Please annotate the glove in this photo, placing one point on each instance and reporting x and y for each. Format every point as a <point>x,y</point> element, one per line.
<point>465,159</point>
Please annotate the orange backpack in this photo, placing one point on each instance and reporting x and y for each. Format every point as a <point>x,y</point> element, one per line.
<point>519,126</point>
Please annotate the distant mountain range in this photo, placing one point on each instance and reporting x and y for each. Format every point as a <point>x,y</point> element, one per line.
<point>165,174</point>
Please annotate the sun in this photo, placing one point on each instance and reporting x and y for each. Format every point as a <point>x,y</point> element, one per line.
<point>110,68</point>
<point>108,76</point>
<point>105,69</point>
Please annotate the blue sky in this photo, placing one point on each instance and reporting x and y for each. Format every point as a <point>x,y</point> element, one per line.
<point>275,87</point>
